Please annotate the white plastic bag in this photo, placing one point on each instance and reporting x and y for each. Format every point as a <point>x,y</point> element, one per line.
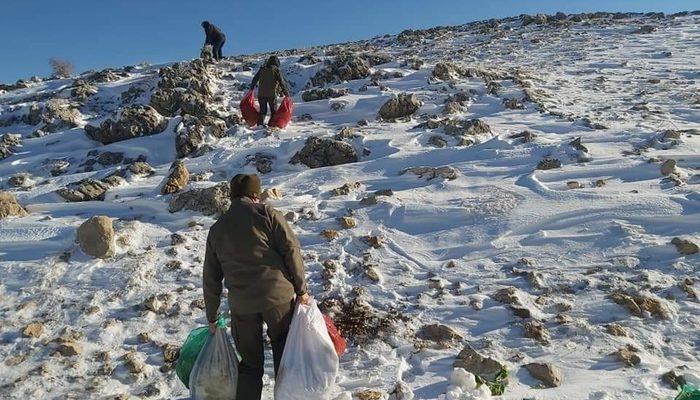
<point>215,373</point>
<point>309,363</point>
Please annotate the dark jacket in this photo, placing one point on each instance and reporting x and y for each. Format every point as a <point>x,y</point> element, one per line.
<point>270,81</point>
<point>253,249</point>
<point>214,34</point>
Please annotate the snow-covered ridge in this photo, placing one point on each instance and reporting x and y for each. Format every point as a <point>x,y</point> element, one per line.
<point>528,196</point>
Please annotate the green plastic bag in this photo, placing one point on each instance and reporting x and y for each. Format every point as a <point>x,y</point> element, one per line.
<point>689,392</point>
<point>191,348</point>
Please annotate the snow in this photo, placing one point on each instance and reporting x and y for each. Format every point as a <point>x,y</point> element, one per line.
<point>582,243</point>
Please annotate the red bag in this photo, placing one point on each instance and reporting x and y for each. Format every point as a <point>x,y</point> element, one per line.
<point>339,341</point>
<point>249,109</point>
<point>283,114</point>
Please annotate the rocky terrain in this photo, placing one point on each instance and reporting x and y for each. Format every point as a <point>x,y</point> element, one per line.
<point>510,203</point>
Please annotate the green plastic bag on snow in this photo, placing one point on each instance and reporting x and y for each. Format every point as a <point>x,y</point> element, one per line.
<point>191,348</point>
<point>689,392</point>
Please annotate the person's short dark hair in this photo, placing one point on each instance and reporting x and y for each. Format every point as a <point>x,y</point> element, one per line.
<point>245,185</point>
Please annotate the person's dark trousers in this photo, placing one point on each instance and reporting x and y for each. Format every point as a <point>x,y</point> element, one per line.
<point>216,49</point>
<point>247,334</point>
<point>266,102</point>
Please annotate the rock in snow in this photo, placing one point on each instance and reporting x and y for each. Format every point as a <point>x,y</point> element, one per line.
<point>96,237</point>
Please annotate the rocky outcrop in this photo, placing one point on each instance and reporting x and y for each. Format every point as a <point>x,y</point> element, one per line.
<point>344,67</point>
<point>134,121</point>
<point>166,101</point>
<point>539,19</point>
<point>96,237</point>
<point>191,131</point>
<point>323,152</point>
<point>55,115</point>
<point>209,201</point>
<point>320,94</point>
<point>447,71</point>
<point>177,178</point>
<point>9,207</point>
<point>400,106</point>
<point>82,90</point>
<point>84,190</point>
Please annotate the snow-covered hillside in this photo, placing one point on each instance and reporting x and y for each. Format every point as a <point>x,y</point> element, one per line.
<point>531,196</point>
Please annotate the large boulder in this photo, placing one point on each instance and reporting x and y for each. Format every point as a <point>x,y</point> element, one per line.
<point>84,190</point>
<point>96,237</point>
<point>400,106</point>
<point>9,207</point>
<point>134,121</point>
<point>320,94</point>
<point>324,152</point>
<point>177,179</point>
<point>209,201</point>
<point>344,67</point>
<point>55,115</point>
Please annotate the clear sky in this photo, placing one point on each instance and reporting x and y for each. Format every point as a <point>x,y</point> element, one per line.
<point>95,34</point>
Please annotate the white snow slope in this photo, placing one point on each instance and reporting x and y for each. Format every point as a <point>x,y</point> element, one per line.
<point>501,222</point>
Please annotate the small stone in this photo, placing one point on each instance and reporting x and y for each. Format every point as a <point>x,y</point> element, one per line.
<point>330,234</point>
<point>348,222</point>
<point>616,330</point>
<point>484,367</point>
<point>674,380</point>
<point>176,239</point>
<point>574,185</point>
<point>668,167</point>
<point>685,246</point>
<point>599,183</point>
<point>384,192</point>
<point>437,141</point>
<point>369,394</point>
<point>143,337</point>
<point>372,273</point>
<point>535,330</point>
<point>346,189</point>
<point>141,168</point>
<point>33,330</point>
<point>439,333</point>
<point>546,373</point>
<point>628,355</point>
<point>171,353</point>
<point>271,194</point>
<point>133,363</point>
<point>549,163</point>
<point>374,241</point>
<point>9,207</point>
<point>68,349</point>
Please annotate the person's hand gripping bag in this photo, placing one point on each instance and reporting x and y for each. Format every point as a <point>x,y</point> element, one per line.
<point>215,373</point>
<point>309,362</point>
<point>249,109</point>
<point>283,114</point>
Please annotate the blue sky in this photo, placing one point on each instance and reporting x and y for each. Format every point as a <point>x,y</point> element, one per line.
<point>95,34</point>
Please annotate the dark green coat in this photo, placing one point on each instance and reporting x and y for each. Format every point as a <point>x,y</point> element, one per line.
<point>269,78</point>
<point>255,252</point>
